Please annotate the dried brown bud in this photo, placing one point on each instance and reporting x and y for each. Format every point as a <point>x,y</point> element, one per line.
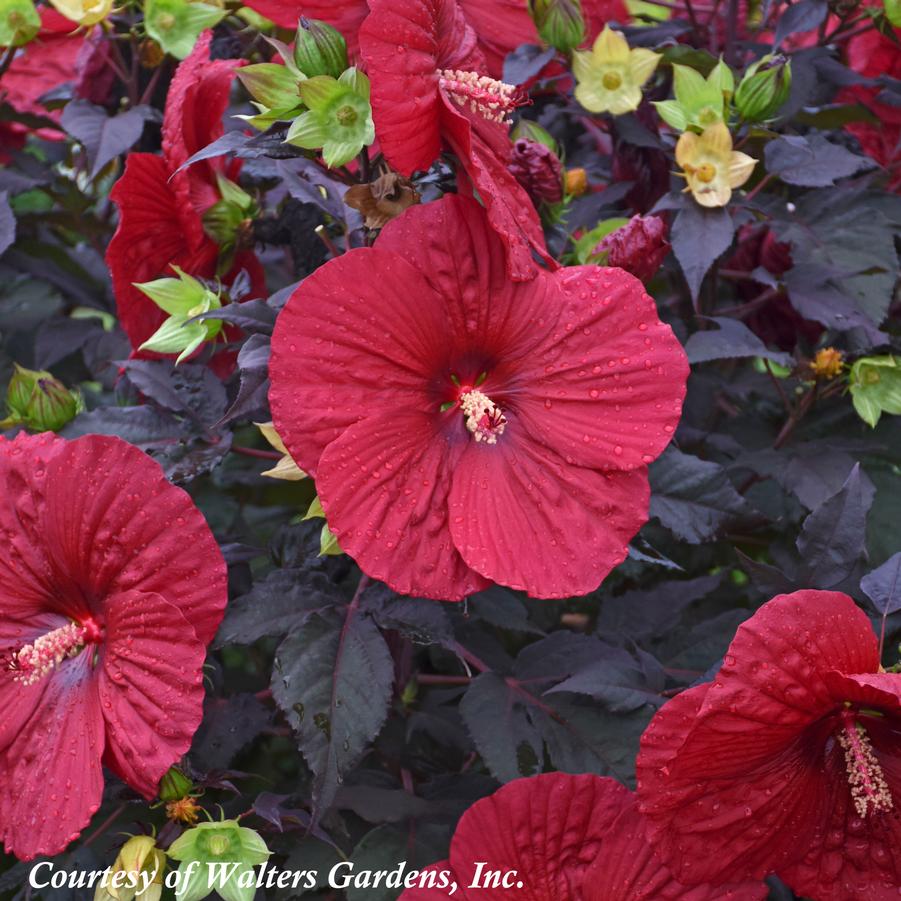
<point>827,363</point>
<point>383,199</point>
<point>576,182</point>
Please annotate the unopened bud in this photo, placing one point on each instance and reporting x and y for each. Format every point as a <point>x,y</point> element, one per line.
<point>319,49</point>
<point>174,785</point>
<point>576,182</point>
<point>764,89</point>
<point>559,22</point>
<point>639,247</point>
<point>538,170</point>
<point>37,400</point>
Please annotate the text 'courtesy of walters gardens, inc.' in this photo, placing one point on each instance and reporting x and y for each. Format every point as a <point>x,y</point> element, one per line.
<point>232,880</point>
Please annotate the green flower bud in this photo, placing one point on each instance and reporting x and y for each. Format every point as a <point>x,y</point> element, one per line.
<point>174,785</point>
<point>176,24</point>
<point>19,22</point>
<point>764,89</point>
<point>37,400</point>
<point>319,49</point>
<point>559,22</point>
<point>339,118</point>
<point>875,386</point>
<point>224,842</point>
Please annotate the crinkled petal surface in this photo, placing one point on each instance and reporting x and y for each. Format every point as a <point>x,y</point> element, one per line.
<point>51,781</point>
<point>384,488</point>
<point>116,524</point>
<point>739,776</point>
<point>627,869</point>
<point>548,828</point>
<point>514,496</point>
<point>150,686</point>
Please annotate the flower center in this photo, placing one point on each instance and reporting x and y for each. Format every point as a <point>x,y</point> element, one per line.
<point>165,21</point>
<point>347,115</point>
<point>493,100</point>
<point>869,790</point>
<point>611,81</point>
<point>706,173</point>
<point>33,662</point>
<point>484,418</point>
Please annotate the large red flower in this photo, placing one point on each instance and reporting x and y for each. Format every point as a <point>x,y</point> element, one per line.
<point>429,93</point>
<point>111,586</point>
<point>575,837</point>
<point>161,209</point>
<point>789,761</point>
<point>463,427</point>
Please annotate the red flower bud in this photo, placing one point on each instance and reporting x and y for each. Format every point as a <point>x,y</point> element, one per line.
<point>639,247</point>
<point>538,169</point>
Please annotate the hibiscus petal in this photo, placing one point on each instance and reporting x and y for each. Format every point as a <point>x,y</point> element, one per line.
<point>501,26</point>
<point>612,379</point>
<point>522,517</point>
<point>743,818</point>
<point>151,687</point>
<point>116,524</point>
<point>627,868</point>
<point>548,828</point>
<point>383,485</point>
<point>400,46</point>
<point>363,334</point>
<point>51,781</point>
<point>484,151</point>
<point>150,236</point>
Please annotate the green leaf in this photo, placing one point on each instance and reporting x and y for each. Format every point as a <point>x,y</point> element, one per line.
<point>893,12</point>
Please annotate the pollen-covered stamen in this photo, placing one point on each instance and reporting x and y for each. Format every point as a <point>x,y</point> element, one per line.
<point>484,418</point>
<point>491,99</point>
<point>869,790</point>
<point>34,661</point>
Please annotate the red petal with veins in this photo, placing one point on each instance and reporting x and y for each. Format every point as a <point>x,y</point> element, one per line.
<point>739,776</point>
<point>133,531</point>
<point>51,781</point>
<point>384,488</point>
<point>151,687</point>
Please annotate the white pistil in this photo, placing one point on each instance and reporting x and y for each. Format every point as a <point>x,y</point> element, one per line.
<point>489,98</point>
<point>484,418</point>
<point>34,661</point>
<point>869,790</point>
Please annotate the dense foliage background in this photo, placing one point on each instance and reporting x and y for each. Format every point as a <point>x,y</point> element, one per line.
<point>361,725</point>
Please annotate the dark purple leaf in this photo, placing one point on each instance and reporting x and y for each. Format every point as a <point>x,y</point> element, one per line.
<point>699,237</point>
<point>812,162</point>
<point>804,15</point>
<point>883,586</point>
<point>731,339</point>
<point>7,223</point>
<point>526,63</point>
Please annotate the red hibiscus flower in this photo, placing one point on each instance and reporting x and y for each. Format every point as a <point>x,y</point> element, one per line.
<point>429,93</point>
<point>345,15</point>
<point>872,54</point>
<point>463,427</point>
<point>160,209</point>
<point>42,65</point>
<point>788,761</point>
<point>502,25</point>
<point>565,836</point>
<point>111,586</point>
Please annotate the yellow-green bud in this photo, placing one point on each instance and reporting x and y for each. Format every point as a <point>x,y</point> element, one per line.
<point>559,22</point>
<point>764,89</point>
<point>37,400</point>
<point>319,49</point>
<point>174,785</point>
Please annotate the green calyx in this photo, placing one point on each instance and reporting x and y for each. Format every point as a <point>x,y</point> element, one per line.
<point>183,298</point>
<point>875,385</point>
<point>328,543</point>
<point>37,400</point>
<point>234,848</point>
<point>699,102</point>
<point>272,85</point>
<point>176,24</point>
<point>338,119</point>
<point>226,219</point>
<point>19,22</point>
<point>764,89</point>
